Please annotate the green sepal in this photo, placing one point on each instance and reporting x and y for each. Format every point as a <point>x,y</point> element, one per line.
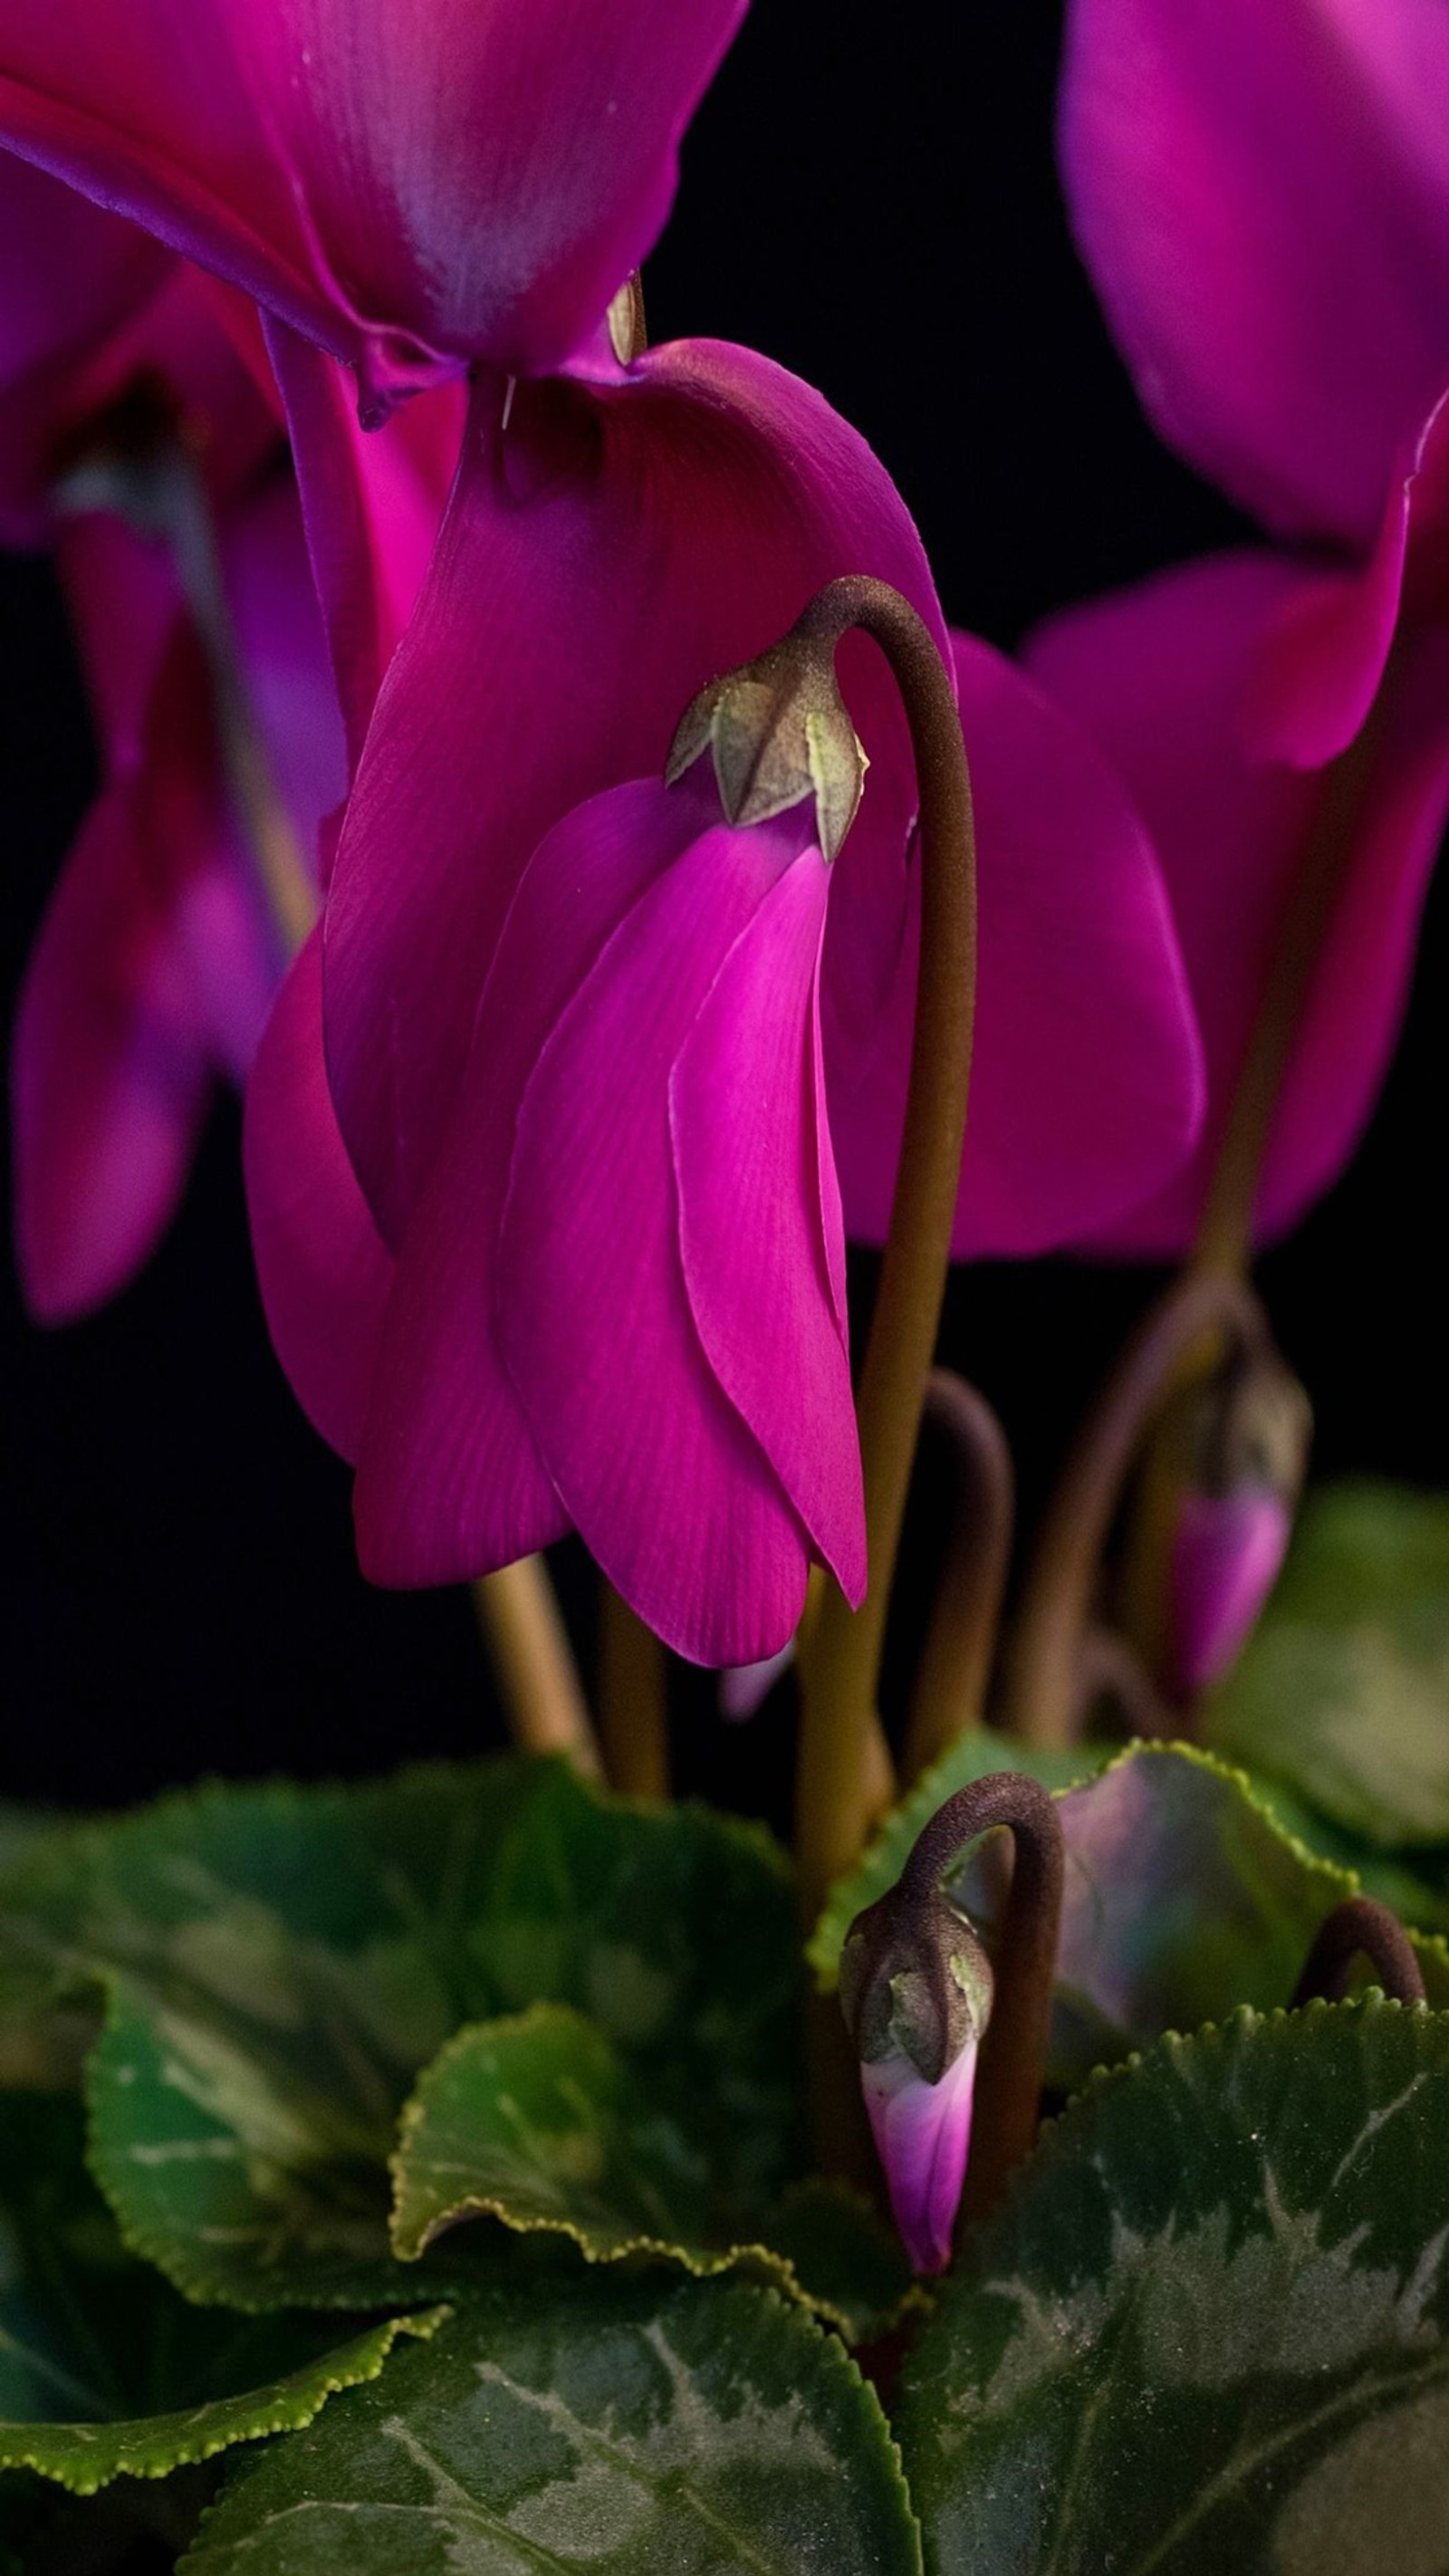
<point>1210,2328</point>
<point>600,2422</point>
<point>537,2121</point>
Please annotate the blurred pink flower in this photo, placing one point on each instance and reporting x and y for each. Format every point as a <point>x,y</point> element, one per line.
<point>1262,197</point>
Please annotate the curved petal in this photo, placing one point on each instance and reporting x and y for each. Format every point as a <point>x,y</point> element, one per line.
<point>669,1489</point>
<point>323,1271</point>
<point>110,1071</point>
<point>1170,677</point>
<point>372,501</point>
<point>760,1231</point>
<point>922,2133</point>
<point>450,1483</point>
<point>1261,194</point>
<point>1087,1089</point>
<point>416,184</point>
<point>664,529</point>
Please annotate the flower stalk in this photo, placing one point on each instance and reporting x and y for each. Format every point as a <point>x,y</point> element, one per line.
<point>955,1666</point>
<point>633,1700</point>
<point>1360,1927</point>
<point>840,1648</point>
<point>523,1628</point>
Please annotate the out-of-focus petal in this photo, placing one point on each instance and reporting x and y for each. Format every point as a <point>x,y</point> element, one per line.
<point>1172,679</point>
<point>599,561</point>
<point>284,653</point>
<point>372,502</point>
<point>1087,1089</point>
<point>414,186</point>
<point>323,1271</point>
<point>762,1257</point>
<point>450,1482</point>
<point>110,1070</point>
<point>922,2133</point>
<point>1261,194</point>
<point>672,1493</point>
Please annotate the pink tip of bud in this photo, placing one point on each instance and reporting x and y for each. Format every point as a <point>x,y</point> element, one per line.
<point>1226,1553</point>
<point>742,1687</point>
<point>922,2132</point>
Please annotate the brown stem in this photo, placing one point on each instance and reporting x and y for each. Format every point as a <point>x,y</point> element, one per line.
<point>1013,2052</point>
<point>955,1666</point>
<point>1043,1698</point>
<point>524,1630</point>
<point>1360,1926</point>
<point>633,1700</point>
<point>840,1652</point>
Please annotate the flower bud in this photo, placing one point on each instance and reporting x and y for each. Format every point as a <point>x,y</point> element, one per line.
<point>778,730</point>
<point>1247,1439</point>
<point>915,1988</point>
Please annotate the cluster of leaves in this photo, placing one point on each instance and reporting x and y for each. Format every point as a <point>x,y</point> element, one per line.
<point>417,2171</point>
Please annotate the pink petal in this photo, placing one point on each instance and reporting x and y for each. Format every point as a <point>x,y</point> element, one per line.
<point>922,2133</point>
<point>323,1271</point>
<point>372,501</point>
<point>1086,1091</point>
<point>664,529</point>
<point>674,1497</point>
<point>414,186</point>
<point>1173,679</point>
<point>1261,194</point>
<point>110,1072</point>
<point>760,1231</point>
<point>450,1482</point>
<point>1226,1553</point>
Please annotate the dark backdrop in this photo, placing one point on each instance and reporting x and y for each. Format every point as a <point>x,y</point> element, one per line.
<point>179,1591</point>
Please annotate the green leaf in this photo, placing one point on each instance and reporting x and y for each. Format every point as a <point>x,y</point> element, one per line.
<point>1183,1898</point>
<point>1413,1887</point>
<point>280,1962</point>
<point>104,2368</point>
<point>973,1756</point>
<point>538,2121</point>
<point>603,2424</point>
<point>1208,2330</point>
<point>1343,1692</point>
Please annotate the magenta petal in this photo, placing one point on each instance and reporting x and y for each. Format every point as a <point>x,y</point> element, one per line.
<point>1172,678</point>
<point>372,501</point>
<point>415,186</point>
<point>284,652</point>
<point>922,2133</point>
<point>763,1259</point>
<point>1226,1553</point>
<point>1086,1090</point>
<point>669,1489</point>
<point>450,1482</point>
<point>665,529</point>
<point>1261,194</point>
<point>110,1072</point>
<point>323,1271</point>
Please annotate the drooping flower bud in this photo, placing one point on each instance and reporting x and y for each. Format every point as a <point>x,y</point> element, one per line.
<point>1247,1447</point>
<point>778,730</point>
<point>916,1990</point>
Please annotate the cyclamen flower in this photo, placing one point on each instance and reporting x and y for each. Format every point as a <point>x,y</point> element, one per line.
<point>155,964</point>
<point>1262,197</point>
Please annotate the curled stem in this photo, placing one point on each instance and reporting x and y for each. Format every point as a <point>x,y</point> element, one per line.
<point>1013,2052</point>
<point>955,1665</point>
<point>839,1760</point>
<point>1044,1696</point>
<point>1360,1926</point>
<point>633,1700</point>
<point>524,1630</point>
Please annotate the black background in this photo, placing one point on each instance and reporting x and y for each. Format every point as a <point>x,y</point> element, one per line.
<point>179,1591</point>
